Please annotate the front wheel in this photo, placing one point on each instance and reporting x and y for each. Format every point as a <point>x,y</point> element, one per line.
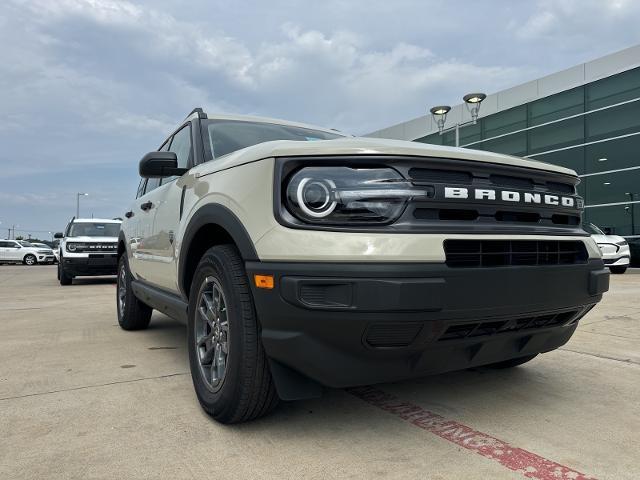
<point>132,313</point>
<point>618,270</point>
<point>229,368</point>
<point>63,277</point>
<point>30,259</point>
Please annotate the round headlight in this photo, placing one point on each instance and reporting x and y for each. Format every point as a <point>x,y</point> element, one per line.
<point>71,247</point>
<point>315,197</point>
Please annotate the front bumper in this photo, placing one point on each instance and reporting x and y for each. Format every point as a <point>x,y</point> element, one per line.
<point>356,324</point>
<point>617,261</point>
<point>91,265</point>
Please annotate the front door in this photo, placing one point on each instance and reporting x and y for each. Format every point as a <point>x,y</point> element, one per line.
<point>167,216</point>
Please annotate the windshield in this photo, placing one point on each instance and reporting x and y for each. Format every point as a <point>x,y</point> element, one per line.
<point>94,229</point>
<point>26,244</point>
<point>226,136</point>
<point>592,229</point>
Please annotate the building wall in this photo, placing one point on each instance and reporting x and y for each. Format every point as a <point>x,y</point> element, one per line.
<point>593,129</point>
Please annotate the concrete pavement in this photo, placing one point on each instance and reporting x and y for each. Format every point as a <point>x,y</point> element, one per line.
<point>80,398</point>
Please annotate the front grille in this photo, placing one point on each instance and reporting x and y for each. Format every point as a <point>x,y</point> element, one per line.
<point>462,177</point>
<point>504,253</point>
<point>492,327</point>
<point>94,247</point>
<point>495,198</point>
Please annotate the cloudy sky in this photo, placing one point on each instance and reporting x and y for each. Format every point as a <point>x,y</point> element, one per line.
<point>88,86</point>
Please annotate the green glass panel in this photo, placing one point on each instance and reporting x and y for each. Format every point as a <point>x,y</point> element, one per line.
<point>612,187</point>
<point>572,158</point>
<point>515,144</point>
<point>613,122</point>
<point>616,219</point>
<point>434,138</point>
<point>505,122</point>
<point>615,89</point>
<point>557,135</point>
<point>613,155</point>
<point>470,133</point>
<point>556,106</point>
<point>449,139</point>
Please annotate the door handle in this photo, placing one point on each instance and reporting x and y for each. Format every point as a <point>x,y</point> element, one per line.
<point>146,206</point>
<point>129,214</point>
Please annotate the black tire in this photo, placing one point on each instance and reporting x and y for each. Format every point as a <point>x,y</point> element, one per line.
<point>246,390</point>
<point>30,259</point>
<point>63,277</point>
<point>514,362</point>
<point>618,270</point>
<point>132,313</point>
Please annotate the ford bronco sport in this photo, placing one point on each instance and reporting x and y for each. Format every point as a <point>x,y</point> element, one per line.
<point>301,258</point>
<point>87,247</point>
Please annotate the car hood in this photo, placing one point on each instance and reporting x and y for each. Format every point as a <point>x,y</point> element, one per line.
<point>607,238</point>
<point>366,146</point>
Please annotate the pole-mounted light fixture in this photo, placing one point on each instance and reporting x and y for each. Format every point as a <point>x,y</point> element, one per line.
<point>439,114</point>
<point>473,101</point>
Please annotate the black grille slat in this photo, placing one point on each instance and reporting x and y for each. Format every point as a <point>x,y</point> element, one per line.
<point>390,335</point>
<point>493,327</point>
<point>501,253</point>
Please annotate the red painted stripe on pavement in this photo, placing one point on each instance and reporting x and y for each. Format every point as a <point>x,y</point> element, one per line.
<point>516,459</point>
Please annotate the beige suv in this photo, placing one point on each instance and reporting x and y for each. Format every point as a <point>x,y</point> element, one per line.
<point>302,258</point>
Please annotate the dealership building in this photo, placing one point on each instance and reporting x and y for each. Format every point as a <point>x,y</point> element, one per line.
<point>586,118</point>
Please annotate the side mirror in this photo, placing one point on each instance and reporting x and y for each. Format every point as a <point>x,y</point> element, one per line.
<point>160,165</point>
<point>58,235</point>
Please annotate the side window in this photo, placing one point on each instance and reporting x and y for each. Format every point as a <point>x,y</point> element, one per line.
<point>181,146</point>
<point>143,183</point>
<point>4,244</point>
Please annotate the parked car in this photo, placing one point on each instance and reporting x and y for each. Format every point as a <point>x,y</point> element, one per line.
<point>20,251</point>
<point>301,258</point>
<point>615,249</point>
<point>87,248</point>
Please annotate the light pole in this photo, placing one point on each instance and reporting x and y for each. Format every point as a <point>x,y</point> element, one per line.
<point>471,100</point>
<point>78,195</point>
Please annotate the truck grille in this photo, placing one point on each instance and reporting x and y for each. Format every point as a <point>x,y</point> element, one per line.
<point>504,253</point>
<point>472,214</point>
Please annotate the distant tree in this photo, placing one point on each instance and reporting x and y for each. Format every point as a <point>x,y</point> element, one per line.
<point>19,237</point>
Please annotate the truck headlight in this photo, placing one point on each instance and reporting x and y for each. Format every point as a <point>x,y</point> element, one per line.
<point>74,247</point>
<point>348,195</point>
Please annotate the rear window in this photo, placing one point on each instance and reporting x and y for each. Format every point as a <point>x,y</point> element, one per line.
<point>94,229</point>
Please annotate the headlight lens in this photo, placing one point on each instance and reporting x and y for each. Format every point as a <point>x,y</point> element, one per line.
<point>72,247</point>
<point>347,196</point>
<point>622,243</point>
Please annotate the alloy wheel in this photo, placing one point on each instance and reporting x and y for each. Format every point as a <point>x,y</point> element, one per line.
<point>122,290</point>
<point>212,333</point>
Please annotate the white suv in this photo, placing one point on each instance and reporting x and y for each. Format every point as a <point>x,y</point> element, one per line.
<point>615,249</point>
<point>302,258</point>
<point>20,251</point>
<point>88,247</point>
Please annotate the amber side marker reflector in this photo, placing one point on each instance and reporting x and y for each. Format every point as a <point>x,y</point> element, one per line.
<point>264,281</point>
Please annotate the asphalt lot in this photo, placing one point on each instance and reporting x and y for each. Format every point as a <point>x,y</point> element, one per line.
<point>80,398</point>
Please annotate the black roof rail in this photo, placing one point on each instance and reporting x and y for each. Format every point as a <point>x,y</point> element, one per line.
<point>199,111</point>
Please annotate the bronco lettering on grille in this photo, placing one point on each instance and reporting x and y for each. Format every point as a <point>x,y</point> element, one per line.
<point>510,196</point>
